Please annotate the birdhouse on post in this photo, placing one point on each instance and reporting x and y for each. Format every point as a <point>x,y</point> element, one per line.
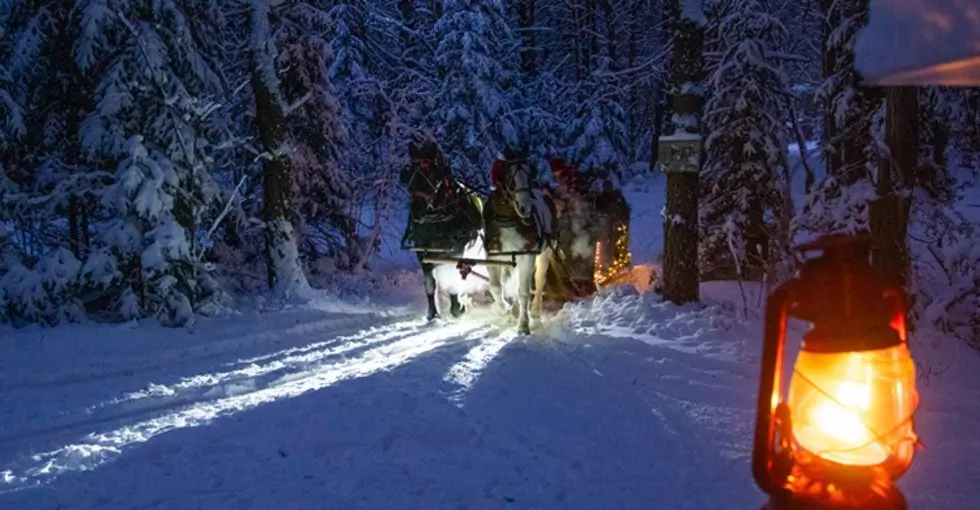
<point>920,43</point>
<point>680,152</point>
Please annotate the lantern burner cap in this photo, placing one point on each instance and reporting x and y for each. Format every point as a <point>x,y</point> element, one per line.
<point>843,296</point>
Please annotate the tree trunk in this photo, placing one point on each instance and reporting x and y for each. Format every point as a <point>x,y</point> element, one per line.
<point>681,276</point>
<point>407,10</point>
<point>286,277</point>
<point>889,214</point>
<point>633,111</point>
<point>659,113</point>
<point>86,236</point>
<point>74,241</point>
<point>829,57</point>
<point>609,15</point>
<point>525,19</point>
<point>756,241</point>
<point>592,30</point>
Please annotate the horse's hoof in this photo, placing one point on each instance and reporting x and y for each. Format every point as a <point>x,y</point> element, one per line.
<point>524,329</point>
<point>457,311</point>
<point>432,318</point>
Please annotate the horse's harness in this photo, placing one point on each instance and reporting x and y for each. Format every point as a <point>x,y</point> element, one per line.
<point>509,191</point>
<point>452,199</point>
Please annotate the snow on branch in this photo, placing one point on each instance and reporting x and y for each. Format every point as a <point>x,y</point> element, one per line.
<point>693,10</point>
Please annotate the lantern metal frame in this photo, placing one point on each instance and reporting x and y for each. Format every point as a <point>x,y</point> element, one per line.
<point>851,308</point>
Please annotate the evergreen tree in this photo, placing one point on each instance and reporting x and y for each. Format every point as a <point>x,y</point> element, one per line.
<point>320,185</point>
<point>473,115</point>
<point>742,187</point>
<point>597,135</point>
<point>367,79</point>
<point>156,89</point>
<point>839,203</point>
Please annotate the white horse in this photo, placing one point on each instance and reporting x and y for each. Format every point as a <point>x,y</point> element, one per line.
<point>520,229</point>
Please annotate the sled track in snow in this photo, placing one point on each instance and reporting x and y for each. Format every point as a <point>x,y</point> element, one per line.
<point>201,352</point>
<point>212,386</point>
<point>196,401</point>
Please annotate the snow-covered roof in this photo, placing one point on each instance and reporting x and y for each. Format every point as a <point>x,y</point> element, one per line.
<point>921,42</point>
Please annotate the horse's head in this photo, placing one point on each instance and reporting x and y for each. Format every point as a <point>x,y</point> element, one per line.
<point>517,181</point>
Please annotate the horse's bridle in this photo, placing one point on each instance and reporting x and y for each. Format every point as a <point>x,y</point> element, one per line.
<point>510,190</point>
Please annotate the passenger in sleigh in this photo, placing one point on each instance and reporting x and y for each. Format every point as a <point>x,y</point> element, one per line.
<point>611,201</point>
<point>572,184</point>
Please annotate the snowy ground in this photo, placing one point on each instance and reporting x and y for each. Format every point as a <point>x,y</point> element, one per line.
<point>619,401</point>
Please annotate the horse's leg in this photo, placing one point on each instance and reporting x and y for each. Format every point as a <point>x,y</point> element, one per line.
<point>456,309</point>
<point>429,279</point>
<point>541,263</point>
<point>525,268</point>
<point>495,289</point>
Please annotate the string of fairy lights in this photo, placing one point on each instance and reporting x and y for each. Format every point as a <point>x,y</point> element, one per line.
<point>621,260</point>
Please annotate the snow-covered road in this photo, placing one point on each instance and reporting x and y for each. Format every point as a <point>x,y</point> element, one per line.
<point>336,414</point>
<point>618,402</point>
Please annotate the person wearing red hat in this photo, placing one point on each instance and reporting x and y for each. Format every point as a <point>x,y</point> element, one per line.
<point>568,178</point>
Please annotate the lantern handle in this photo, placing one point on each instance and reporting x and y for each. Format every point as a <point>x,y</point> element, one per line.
<point>770,389</point>
<point>898,299</point>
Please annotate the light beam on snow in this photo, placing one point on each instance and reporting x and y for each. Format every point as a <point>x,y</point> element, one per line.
<point>291,358</point>
<point>373,332</point>
<point>467,371</point>
<point>98,448</point>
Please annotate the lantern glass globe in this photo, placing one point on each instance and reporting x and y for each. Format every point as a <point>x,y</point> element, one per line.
<point>855,408</point>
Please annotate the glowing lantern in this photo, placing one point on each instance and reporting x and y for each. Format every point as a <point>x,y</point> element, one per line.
<point>845,432</point>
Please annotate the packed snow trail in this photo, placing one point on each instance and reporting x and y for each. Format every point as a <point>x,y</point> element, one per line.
<point>618,402</point>
<point>196,400</point>
<point>462,415</point>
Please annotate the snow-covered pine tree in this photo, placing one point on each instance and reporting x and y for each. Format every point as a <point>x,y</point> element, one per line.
<point>839,203</point>
<point>157,87</point>
<point>98,85</point>
<point>50,190</point>
<point>371,86</point>
<point>579,78</point>
<point>417,19</point>
<point>597,136</point>
<point>475,63</point>
<point>321,182</point>
<point>744,194</point>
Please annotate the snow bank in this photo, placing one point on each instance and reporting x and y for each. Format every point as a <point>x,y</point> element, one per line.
<point>910,35</point>
<point>706,329</point>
